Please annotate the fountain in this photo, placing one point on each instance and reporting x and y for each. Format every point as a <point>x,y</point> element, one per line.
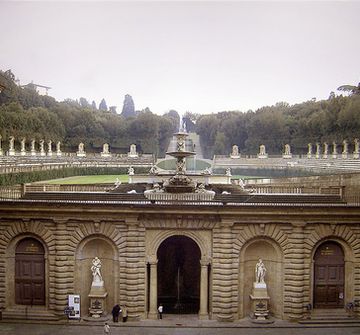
<point>180,182</point>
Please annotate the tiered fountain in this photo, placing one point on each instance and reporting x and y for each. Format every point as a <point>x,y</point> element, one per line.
<point>180,183</point>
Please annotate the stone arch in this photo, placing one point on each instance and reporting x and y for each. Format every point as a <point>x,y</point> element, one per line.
<point>11,237</point>
<point>202,241</point>
<point>273,257</point>
<point>265,230</point>
<point>96,245</point>
<point>349,259</point>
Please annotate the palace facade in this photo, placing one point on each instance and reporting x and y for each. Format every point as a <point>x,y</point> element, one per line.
<point>193,256</point>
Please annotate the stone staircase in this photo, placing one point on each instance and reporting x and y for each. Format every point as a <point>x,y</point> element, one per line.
<point>32,313</point>
<point>330,316</point>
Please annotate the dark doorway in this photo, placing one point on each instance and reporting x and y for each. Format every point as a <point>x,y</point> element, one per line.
<point>329,276</point>
<point>30,273</point>
<point>179,275</point>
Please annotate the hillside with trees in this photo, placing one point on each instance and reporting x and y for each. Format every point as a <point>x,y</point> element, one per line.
<point>334,119</point>
<point>25,113</point>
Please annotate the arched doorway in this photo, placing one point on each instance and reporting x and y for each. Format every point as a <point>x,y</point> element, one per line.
<point>178,274</point>
<point>29,272</point>
<point>329,276</point>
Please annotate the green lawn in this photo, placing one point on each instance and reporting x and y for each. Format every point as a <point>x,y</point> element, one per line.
<point>101,179</point>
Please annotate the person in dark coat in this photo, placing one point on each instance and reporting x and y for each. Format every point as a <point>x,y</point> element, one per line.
<point>115,313</point>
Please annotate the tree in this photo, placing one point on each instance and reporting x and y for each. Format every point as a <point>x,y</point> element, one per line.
<point>352,90</point>
<point>93,105</point>
<point>84,103</point>
<point>103,105</point>
<point>128,107</point>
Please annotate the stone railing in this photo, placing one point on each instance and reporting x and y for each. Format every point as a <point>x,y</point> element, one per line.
<point>11,192</point>
<point>158,196</point>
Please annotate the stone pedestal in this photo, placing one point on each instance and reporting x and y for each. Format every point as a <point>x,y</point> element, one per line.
<point>97,297</point>
<point>260,301</point>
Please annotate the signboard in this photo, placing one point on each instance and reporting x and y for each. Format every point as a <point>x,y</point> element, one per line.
<point>74,306</point>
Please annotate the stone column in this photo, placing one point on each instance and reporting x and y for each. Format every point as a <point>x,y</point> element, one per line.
<point>153,287</point>
<point>204,288</point>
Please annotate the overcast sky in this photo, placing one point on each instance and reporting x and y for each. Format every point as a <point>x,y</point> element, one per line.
<point>203,57</point>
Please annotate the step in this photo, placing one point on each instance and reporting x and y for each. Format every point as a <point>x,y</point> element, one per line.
<point>30,313</point>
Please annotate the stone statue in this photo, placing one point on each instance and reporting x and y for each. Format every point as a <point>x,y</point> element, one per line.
<point>260,271</point>
<point>153,169</point>
<point>207,171</point>
<point>356,148</point>
<point>228,172</point>
<point>235,152</point>
<point>23,152</point>
<point>1,152</point>
<point>50,148</point>
<point>58,150</point>
<point>345,149</point>
<point>317,153</point>
<point>133,152</point>
<point>42,152</point>
<point>262,150</point>
<point>33,151</point>
<point>326,150</point>
<point>334,153</point>
<point>131,171</point>
<point>309,150</point>
<point>81,150</point>
<point>11,142</point>
<point>95,268</point>
<point>287,150</point>
<point>105,148</point>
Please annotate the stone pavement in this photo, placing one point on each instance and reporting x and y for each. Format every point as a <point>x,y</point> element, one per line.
<point>174,325</point>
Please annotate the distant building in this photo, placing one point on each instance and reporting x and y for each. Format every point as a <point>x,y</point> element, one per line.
<point>41,89</point>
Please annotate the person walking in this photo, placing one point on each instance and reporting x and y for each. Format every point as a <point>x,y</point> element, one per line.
<point>107,330</point>
<point>160,310</point>
<point>115,313</point>
<point>124,313</point>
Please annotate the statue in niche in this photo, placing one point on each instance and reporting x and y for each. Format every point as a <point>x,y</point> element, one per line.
<point>131,171</point>
<point>95,268</point>
<point>260,271</point>
<point>228,172</point>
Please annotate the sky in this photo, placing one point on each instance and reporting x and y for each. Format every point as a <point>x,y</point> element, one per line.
<point>198,56</point>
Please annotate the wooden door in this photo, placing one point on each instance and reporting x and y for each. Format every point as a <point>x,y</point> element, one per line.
<point>329,276</point>
<point>29,273</point>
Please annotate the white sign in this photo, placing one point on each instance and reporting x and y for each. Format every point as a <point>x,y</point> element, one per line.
<point>74,306</point>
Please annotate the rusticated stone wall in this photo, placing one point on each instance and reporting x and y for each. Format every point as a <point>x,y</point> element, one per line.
<point>230,241</point>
